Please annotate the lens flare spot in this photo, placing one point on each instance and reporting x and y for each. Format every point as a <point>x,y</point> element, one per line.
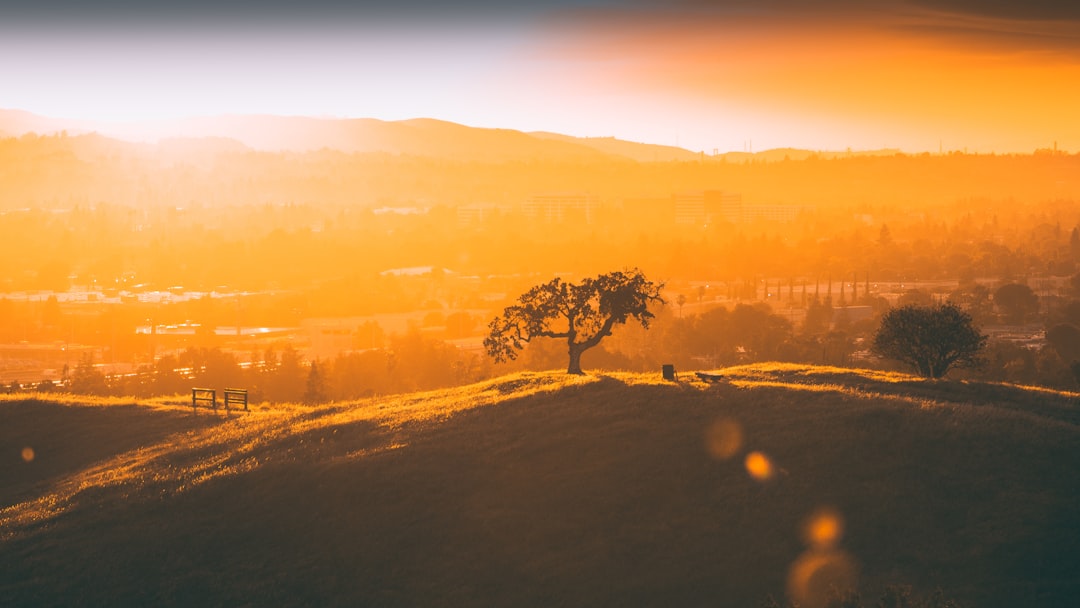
<point>816,577</point>
<point>28,454</point>
<point>823,529</point>
<point>724,439</point>
<point>759,466</point>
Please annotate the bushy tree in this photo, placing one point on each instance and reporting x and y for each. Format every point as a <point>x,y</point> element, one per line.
<point>975,299</point>
<point>87,379</point>
<point>1016,302</point>
<point>211,367</point>
<point>360,374</point>
<point>748,332</point>
<point>583,314</point>
<point>930,339</point>
<point>1065,340</point>
<point>166,379</point>
<point>285,376</point>
<point>818,318</point>
<point>423,363</point>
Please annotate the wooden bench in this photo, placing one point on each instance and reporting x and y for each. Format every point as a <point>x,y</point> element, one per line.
<point>203,395</point>
<point>236,395</point>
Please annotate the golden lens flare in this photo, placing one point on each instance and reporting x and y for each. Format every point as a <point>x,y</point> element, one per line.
<point>823,529</point>
<point>759,466</point>
<point>28,454</point>
<point>817,576</point>
<point>724,439</point>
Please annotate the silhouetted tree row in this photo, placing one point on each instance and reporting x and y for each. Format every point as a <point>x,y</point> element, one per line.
<point>410,362</point>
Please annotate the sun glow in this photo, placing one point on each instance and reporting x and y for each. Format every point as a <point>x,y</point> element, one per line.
<point>703,79</point>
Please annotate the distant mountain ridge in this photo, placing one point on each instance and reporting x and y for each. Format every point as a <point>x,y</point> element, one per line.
<point>417,137</point>
<point>618,147</point>
<point>426,137</point>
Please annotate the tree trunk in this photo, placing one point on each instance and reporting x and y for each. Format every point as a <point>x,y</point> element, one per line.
<point>575,360</point>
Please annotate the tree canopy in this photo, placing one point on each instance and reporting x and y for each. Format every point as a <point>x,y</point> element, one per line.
<point>582,313</point>
<point>930,339</point>
<point>1017,302</point>
<point>721,335</point>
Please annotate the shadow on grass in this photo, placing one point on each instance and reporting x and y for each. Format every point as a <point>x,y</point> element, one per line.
<point>64,439</point>
<point>1052,404</point>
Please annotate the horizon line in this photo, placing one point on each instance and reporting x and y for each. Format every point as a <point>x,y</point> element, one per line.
<point>88,126</point>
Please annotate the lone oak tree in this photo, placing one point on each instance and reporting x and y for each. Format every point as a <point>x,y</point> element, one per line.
<point>583,314</point>
<point>930,339</point>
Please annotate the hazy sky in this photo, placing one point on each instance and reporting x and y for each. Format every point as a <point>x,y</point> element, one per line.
<point>989,75</point>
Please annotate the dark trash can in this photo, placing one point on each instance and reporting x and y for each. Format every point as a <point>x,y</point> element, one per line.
<point>669,372</point>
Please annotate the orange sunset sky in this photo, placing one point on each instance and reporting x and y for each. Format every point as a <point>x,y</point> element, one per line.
<point>705,75</point>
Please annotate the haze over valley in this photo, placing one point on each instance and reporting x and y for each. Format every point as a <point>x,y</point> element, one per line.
<point>569,302</point>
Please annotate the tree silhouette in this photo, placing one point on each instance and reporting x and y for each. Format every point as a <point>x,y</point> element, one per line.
<point>87,379</point>
<point>583,314</point>
<point>930,339</point>
<point>1065,340</point>
<point>315,391</point>
<point>1016,302</point>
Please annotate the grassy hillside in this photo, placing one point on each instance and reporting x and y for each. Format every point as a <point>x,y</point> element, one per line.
<point>538,489</point>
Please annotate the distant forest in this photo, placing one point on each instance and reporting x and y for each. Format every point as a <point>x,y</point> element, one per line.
<point>204,213</point>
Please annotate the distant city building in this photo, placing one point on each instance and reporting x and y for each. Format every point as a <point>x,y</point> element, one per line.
<point>400,210</point>
<point>770,213</point>
<point>649,211</point>
<point>474,215</point>
<point>700,208</point>
<point>727,206</point>
<point>690,209</point>
<point>561,206</point>
<point>703,207</point>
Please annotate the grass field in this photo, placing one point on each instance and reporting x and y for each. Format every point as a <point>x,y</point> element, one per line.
<point>542,489</point>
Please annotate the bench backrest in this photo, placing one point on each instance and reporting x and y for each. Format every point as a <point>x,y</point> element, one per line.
<point>205,395</point>
<point>236,395</point>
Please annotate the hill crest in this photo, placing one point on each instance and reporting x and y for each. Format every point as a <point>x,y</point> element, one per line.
<point>539,488</point>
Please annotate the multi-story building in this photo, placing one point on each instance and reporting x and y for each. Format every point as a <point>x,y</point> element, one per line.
<point>690,208</point>
<point>698,208</point>
<point>473,215</point>
<point>770,213</point>
<point>703,207</point>
<point>561,206</point>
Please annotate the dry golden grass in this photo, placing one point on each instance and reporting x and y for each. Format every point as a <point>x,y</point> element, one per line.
<point>542,488</point>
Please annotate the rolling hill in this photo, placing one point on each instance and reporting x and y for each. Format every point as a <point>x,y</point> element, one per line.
<point>423,137</point>
<point>539,489</point>
<point>617,147</point>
